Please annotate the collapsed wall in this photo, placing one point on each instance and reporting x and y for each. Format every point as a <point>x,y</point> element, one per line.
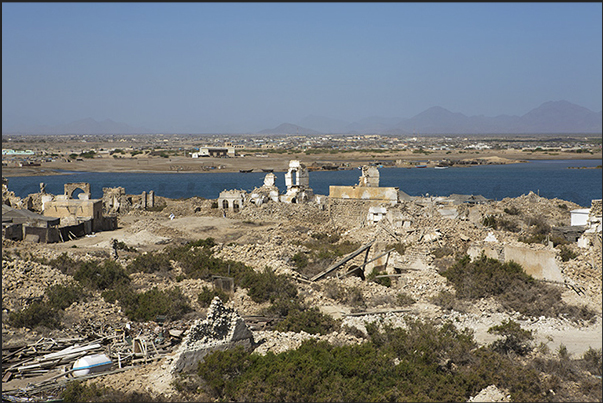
<point>539,262</point>
<point>222,329</point>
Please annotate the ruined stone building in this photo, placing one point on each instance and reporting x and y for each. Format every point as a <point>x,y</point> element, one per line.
<point>367,189</point>
<point>297,180</point>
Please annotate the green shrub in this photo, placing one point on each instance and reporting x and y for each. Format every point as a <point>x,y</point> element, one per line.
<point>100,276</point>
<point>310,321</point>
<point>512,210</point>
<point>121,292</point>
<point>483,277</point>
<point>399,247</point>
<point>150,263</point>
<point>592,361</point>
<point>403,299</point>
<point>507,225</point>
<point>36,314</point>
<point>442,251</point>
<point>384,281</point>
<point>64,264</point>
<point>538,231</point>
<point>515,339</point>
<point>121,245</point>
<point>513,288</point>
<point>566,253</point>
<point>62,296</point>
<point>148,305</point>
<point>300,260</point>
<point>207,295</point>
<point>197,261</point>
<point>445,300</point>
<point>489,221</point>
<point>351,296</point>
<point>268,286</point>
<point>78,392</point>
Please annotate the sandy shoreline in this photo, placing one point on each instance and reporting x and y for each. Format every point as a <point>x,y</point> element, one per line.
<point>276,162</point>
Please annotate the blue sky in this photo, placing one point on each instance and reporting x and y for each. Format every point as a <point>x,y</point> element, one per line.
<point>240,67</point>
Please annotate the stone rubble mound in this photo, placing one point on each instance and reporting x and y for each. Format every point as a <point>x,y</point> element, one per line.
<point>490,394</point>
<point>223,328</point>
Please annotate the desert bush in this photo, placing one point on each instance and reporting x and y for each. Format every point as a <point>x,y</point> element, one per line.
<point>399,247</point>
<point>384,281</point>
<point>121,245</point>
<point>515,339</point>
<point>36,314</point>
<point>483,277</point>
<point>64,264</point>
<point>100,276</point>
<point>62,296</point>
<point>78,392</point>
<point>489,221</point>
<point>150,262</point>
<point>532,238</point>
<point>566,253</point>
<point>445,300</point>
<point>419,362</point>
<point>197,261</point>
<point>591,361</point>
<point>310,321</point>
<point>513,288</point>
<point>512,210</point>
<point>207,295</point>
<point>351,296</point>
<point>148,305</point>
<point>300,260</point>
<point>403,299</point>
<point>507,225</point>
<point>442,251</point>
<point>121,292</point>
<point>329,238</point>
<point>268,286</point>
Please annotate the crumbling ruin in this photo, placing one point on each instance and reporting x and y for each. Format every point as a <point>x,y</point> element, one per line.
<point>367,189</point>
<point>222,329</point>
<point>267,192</point>
<point>297,181</point>
<point>232,200</point>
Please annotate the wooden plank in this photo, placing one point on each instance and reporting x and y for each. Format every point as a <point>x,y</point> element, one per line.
<point>343,261</point>
<point>375,258</point>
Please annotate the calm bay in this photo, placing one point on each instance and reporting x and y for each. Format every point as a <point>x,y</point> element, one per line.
<point>548,178</point>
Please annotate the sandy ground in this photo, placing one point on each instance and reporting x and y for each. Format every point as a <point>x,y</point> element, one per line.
<point>277,162</point>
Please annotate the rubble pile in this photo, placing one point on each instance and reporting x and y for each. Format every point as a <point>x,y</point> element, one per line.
<point>278,342</point>
<point>309,213</point>
<point>491,394</point>
<point>24,281</point>
<point>259,256</point>
<point>223,328</point>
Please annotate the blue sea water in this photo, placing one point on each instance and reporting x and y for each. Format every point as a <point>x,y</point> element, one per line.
<point>548,178</point>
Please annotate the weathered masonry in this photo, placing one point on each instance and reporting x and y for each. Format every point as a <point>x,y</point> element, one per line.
<point>367,189</point>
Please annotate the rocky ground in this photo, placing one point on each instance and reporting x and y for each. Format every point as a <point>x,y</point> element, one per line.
<point>270,235</point>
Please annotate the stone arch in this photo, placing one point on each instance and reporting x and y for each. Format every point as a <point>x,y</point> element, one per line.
<point>70,189</point>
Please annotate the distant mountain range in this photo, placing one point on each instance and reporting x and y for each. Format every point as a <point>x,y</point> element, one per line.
<point>549,118</point>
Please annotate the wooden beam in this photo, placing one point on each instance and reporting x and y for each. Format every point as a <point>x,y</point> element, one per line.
<point>344,260</point>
